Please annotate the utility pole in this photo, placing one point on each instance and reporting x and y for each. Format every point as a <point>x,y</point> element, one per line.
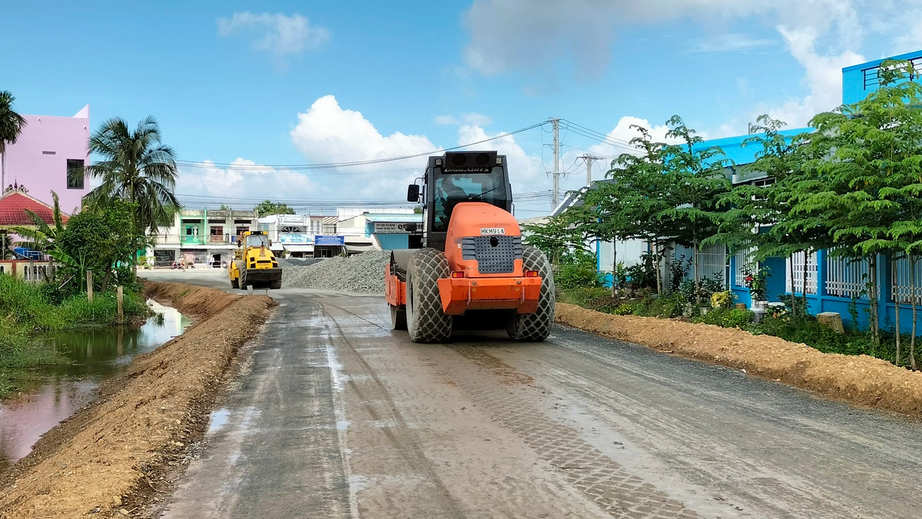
<point>589,159</point>
<point>556,193</point>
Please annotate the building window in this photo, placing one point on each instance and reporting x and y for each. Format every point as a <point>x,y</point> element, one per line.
<point>217,230</point>
<point>75,174</point>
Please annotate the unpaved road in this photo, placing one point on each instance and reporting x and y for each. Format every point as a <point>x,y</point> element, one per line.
<point>337,416</point>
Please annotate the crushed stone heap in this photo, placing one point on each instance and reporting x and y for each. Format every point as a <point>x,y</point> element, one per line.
<point>363,273</point>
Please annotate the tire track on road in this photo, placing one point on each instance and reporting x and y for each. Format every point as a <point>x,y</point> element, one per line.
<point>402,437</point>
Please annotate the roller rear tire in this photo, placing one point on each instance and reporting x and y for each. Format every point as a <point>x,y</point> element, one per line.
<point>426,322</point>
<point>535,326</point>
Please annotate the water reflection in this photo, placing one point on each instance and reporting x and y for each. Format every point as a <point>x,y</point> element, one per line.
<point>58,391</point>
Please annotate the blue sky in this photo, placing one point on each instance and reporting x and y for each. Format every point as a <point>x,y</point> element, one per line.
<point>287,83</point>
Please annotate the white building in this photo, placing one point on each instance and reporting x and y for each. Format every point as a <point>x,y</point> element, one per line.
<point>298,235</point>
<point>357,226</point>
<point>201,236</point>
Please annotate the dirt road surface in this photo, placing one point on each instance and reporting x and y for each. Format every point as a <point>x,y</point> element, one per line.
<point>336,416</point>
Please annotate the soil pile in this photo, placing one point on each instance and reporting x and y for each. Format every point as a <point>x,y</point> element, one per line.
<point>363,273</point>
<point>193,301</point>
<point>858,379</point>
<point>108,456</point>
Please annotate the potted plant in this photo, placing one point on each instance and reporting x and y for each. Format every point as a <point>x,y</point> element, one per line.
<point>756,282</point>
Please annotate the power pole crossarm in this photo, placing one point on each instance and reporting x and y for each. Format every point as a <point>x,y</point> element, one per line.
<point>588,159</point>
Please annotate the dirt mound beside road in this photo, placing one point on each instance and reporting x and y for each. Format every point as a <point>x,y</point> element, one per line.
<point>191,300</point>
<point>109,456</point>
<point>857,379</point>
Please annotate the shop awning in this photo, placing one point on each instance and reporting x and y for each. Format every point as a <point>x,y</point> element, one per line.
<point>299,247</point>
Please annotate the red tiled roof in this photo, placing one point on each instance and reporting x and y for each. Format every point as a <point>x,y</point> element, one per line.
<point>13,210</point>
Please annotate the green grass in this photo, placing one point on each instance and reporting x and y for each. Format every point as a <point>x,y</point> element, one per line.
<point>26,309</point>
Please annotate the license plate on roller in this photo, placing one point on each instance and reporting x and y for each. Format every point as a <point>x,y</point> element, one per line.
<point>485,231</point>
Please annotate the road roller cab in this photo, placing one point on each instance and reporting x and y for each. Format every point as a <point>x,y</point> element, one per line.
<point>469,264</point>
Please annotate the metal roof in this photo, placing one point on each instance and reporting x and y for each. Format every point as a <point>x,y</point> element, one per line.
<point>394,217</point>
<point>13,209</point>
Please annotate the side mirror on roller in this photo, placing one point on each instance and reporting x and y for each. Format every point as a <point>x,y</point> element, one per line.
<point>413,193</point>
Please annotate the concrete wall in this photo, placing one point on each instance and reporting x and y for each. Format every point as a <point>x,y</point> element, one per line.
<point>38,160</point>
<point>33,271</point>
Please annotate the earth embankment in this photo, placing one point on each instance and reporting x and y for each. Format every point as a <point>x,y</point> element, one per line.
<point>857,379</point>
<point>108,457</point>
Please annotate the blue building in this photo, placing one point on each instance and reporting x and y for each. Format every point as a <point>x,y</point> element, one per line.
<point>832,283</point>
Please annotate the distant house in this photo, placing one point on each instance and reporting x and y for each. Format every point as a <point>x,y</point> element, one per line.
<point>48,147</point>
<point>201,236</point>
<point>296,234</point>
<point>21,261</point>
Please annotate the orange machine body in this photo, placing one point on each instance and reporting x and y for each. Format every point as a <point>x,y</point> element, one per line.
<point>469,289</point>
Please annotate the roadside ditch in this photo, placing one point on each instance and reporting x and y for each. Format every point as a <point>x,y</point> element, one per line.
<point>111,456</point>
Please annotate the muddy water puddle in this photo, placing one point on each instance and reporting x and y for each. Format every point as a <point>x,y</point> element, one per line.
<point>58,391</point>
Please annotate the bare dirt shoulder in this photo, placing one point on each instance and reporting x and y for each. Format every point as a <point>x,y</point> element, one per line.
<point>858,379</point>
<point>110,457</point>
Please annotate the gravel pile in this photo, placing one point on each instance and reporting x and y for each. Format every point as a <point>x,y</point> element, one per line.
<point>298,262</point>
<point>360,273</point>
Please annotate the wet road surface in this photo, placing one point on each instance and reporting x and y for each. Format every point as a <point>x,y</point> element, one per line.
<point>336,416</point>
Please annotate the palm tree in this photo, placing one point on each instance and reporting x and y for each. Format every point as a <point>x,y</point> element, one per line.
<point>11,124</point>
<point>136,168</point>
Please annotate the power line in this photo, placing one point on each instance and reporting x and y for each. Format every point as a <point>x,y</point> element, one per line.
<point>331,165</point>
<point>603,136</point>
<point>602,140</point>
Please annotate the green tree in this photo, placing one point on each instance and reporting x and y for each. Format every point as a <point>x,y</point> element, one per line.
<point>102,240</point>
<point>137,169</point>
<point>860,183</point>
<point>11,124</point>
<point>696,180</point>
<point>267,207</point>
<point>556,237</point>
<point>641,189</point>
<point>758,216</point>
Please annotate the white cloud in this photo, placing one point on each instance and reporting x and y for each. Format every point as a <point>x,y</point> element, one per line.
<point>823,78</point>
<point>475,119</point>
<point>327,133</point>
<point>242,178</point>
<point>446,120</point>
<point>907,31</point>
<point>470,119</point>
<point>526,172</point>
<point>583,31</point>
<point>276,33</point>
<point>733,42</point>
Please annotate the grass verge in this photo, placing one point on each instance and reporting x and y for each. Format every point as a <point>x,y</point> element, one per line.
<point>27,309</point>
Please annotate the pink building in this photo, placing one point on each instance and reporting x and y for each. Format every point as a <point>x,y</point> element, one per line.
<point>44,151</point>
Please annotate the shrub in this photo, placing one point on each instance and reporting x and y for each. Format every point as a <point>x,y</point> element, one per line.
<point>624,309</point>
<point>722,299</point>
<point>578,273</point>
<point>726,318</point>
